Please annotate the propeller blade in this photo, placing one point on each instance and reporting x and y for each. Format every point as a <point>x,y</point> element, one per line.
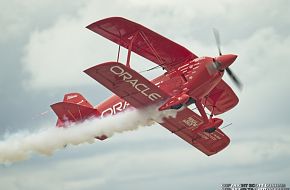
<point>234,78</point>
<point>217,40</point>
<point>217,64</point>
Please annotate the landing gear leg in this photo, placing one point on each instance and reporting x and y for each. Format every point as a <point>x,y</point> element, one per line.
<point>201,111</point>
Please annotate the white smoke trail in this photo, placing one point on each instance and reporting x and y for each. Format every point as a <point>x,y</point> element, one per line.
<point>20,146</point>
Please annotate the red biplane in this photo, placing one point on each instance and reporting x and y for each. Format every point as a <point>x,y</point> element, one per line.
<point>188,79</point>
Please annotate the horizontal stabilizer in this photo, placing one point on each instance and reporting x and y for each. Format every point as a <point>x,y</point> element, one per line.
<point>71,112</point>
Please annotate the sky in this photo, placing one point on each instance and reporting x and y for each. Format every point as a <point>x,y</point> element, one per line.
<point>44,47</point>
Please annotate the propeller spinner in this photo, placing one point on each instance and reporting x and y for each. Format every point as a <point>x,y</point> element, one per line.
<point>224,61</point>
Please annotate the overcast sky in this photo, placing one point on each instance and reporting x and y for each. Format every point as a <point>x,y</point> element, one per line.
<point>44,47</point>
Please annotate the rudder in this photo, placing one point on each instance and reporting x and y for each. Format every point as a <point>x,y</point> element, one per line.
<point>76,98</point>
<point>74,108</point>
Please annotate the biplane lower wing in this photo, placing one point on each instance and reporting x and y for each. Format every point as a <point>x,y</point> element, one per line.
<point>140,92</point>
<point>127,84</point>
<point>186,125</point>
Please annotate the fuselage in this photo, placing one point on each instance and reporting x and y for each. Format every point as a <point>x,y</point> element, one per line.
<point>195,78</point>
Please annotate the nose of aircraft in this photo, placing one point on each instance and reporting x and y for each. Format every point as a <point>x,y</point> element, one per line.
<point>226,60</point>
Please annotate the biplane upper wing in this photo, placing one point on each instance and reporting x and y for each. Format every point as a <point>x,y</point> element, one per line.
<point>139,92</point>
<point>221,99</point>
<point>143,41</point>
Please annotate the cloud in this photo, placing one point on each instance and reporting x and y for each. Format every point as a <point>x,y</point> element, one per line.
<point>25,17</point>
<point>57,55</point>
<point>262,66</point>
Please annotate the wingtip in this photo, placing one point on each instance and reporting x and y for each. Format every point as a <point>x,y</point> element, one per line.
<point>92,25</point>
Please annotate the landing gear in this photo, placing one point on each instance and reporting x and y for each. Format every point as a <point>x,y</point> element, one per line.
<point>178,106</point>
<point>190,101</point>
<point>210,130</point>
<point>213,125</point>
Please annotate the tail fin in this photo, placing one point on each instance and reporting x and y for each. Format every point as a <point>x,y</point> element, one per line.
<point>76,98</point>
<point>74,108</point>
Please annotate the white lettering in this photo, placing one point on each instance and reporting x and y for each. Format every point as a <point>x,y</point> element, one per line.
<point>144,90</point>
<point>127,77</point>
<point>209,136</point>
<point>117,70</point>
<point>80,102</point>
<point>116,108</point>
<point>133,82</point>
<point>126,104</point>
<point>71,97</point>
<point>203,136</point>
<point>108,111</point>
<point>190,122</point>
<point>154,96</point>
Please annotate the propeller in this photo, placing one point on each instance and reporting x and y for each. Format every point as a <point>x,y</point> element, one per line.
<point>217,40</point>
<point>234,78</point>
<point>229,59</point>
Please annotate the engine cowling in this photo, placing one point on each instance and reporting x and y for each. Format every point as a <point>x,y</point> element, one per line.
<point>175,102</point>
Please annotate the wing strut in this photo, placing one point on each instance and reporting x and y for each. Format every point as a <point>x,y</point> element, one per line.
<point>201,111</point>
<point>158,57</point>
<point>130,49</point>
<point>118,56</point>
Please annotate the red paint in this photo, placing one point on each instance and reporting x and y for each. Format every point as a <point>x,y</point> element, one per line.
<point>179,99</point>
<point>226,60</point>
<point>188,79</point>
